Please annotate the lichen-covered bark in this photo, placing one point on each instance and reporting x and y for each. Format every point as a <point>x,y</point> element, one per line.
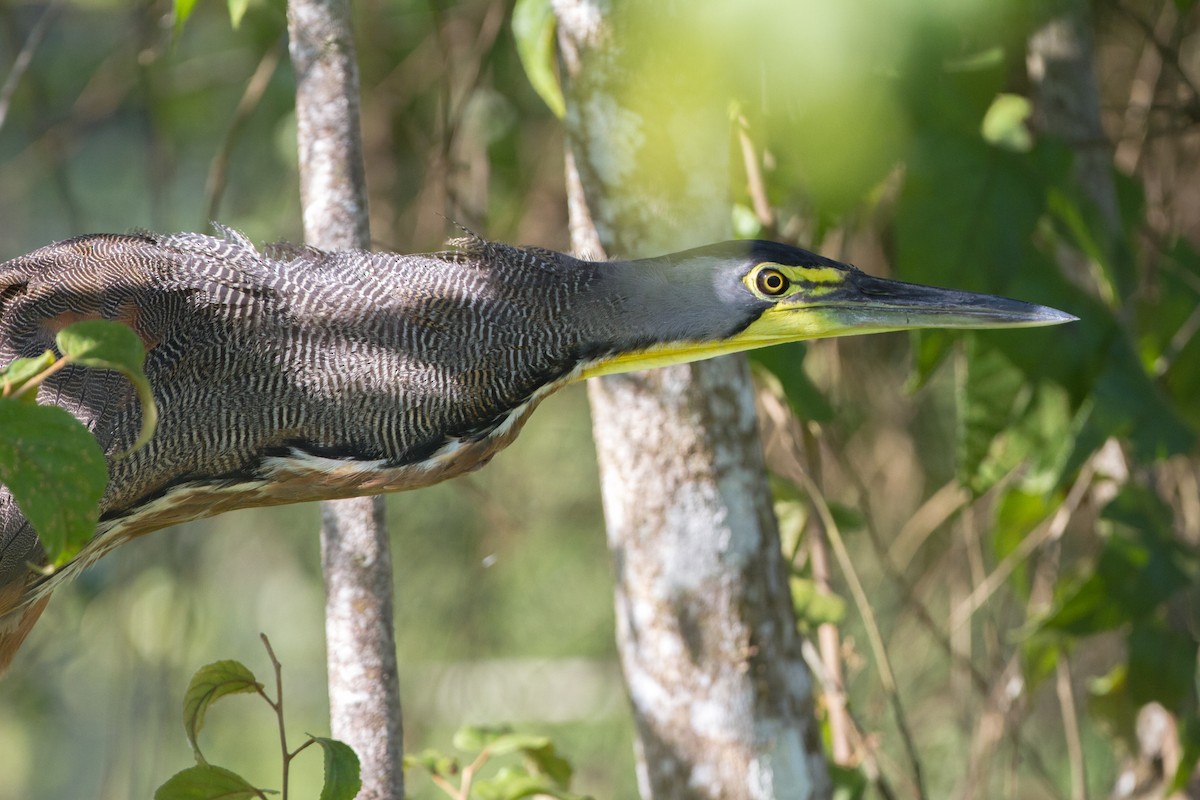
<point>364,693</point>
<point>721,695</point>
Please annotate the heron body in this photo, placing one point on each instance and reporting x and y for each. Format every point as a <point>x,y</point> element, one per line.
<point>293,374</point>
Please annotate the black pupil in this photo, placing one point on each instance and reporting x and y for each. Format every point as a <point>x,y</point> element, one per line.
<point>771,282</point>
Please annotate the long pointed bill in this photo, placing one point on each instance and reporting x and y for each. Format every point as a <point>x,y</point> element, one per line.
<point>862,303</point>
<point>871,302</point>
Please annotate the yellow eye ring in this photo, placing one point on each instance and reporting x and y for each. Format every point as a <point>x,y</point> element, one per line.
<point>771,282</point>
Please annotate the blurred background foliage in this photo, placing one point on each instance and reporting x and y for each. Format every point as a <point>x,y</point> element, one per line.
<point>1023,508</point>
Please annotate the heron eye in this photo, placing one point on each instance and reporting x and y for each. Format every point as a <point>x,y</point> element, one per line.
<point>771,282</point>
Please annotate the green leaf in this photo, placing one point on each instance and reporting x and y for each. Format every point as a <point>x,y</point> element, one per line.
<point>237,10</point>
<point>1087,228</point>
<point>206,782</point>
<point>499,739</point>
<point>1018,512</point>
<point>848,783</point>
<point>208,685</point>
<point>1162,666</point>
<point>968,210</point>
<point>786,363</point>
<point>17,373</point>
<point>56,473</point>
<point>1140,566</point>
<point>1168,344</point>
<point>432,761</point>
<point>183,10</point>
<point>512,783</point>
<point>546,761</point>
<point>533,26</point>
<point>1189,737</point>
<point>931,348</point>
<point>988,389</point>
<point>1110,706</point>
<point>516,742</point>
<point>1004,124</point>
<point>814,607</point>
<point>1040,653</point>
<point>103,344</point>
<point>342,780</point>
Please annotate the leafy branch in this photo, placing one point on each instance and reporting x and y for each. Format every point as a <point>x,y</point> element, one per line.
<point>543,773</point>
<point>207,781</point>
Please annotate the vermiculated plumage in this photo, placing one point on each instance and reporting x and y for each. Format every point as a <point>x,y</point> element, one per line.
<point>281,375</point>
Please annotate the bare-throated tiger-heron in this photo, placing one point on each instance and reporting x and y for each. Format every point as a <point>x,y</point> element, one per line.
<point>293,374</point>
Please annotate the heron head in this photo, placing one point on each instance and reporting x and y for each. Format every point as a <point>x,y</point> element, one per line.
<point>748,294</point>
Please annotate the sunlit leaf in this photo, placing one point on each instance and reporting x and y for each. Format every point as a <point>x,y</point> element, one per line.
<point>183,10</point>
<point>19,371</point>
<point>1005,123</point>
<point>433,762</point>
<point>207,782</point>
<point>55,471</point>
<point>516,742</point>
<point>237,10</point>
<point>513,783</point>
<point>813,606</point>
<point>533,26</point>
<point>1017,513</point>
<point>102,344</point>
<point>988,389</point>
<point>342,780</point>
<point>500,740</point>
<point>208,685</point>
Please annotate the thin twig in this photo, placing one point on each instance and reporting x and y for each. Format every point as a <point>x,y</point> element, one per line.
<point>1047,531</point>
<point>883,663</point>
<point>941,506</point>
<point>1168,53</point>
<point>25,58</point>
<point>1143,88</point>
<point>255,89</point>
<point>277,705</point>
<point>870,762</point>
<point>755,185</point>
<point>1066,701</point>
<point>446,786</point>
<point>828,635</point>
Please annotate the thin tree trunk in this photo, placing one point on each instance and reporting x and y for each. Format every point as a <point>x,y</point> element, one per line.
<point>721,695</point>
<point>364,693</point>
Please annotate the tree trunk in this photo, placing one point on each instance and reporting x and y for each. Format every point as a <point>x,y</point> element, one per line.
<point>364,692</point>
<point>721,695</point>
